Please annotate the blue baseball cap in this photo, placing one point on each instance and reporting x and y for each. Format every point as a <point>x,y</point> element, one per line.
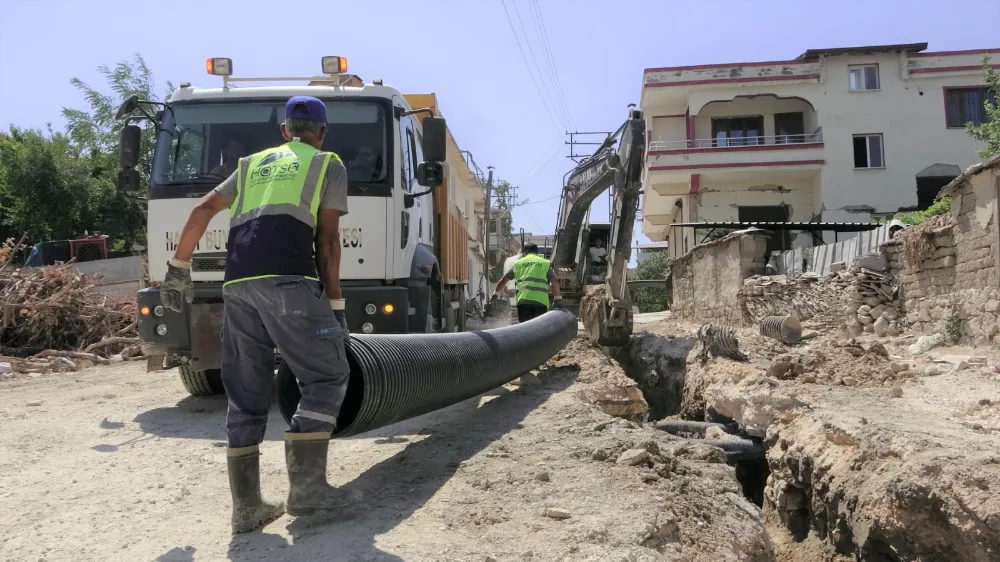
<point>305,107</point>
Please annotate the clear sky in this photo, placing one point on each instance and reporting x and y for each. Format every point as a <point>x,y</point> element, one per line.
<point>462,50</point>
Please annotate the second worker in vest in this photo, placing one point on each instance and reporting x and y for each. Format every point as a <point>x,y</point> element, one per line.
<point>532,275</point>
<point>280,200</point>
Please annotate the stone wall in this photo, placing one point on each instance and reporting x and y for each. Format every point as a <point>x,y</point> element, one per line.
<point>707,281</point>
<point>948,265</point>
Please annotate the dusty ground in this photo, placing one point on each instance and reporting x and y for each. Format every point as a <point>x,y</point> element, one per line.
<point>875,454</point>
<point>112,463</point>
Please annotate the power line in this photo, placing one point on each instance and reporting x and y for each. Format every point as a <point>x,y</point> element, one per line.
<point>525,58</point>
<point>534,61</point>
<point>543,158</point>
<point>547,50</point>
<point>546,165</point>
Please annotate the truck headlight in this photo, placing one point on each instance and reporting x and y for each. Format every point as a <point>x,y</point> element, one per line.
<point>161,329</point>
<point>367,328</point>
<point>370,308</point>
<point>158,310</point>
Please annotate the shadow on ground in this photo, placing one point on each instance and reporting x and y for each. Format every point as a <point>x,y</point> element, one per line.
<point>398,486</point>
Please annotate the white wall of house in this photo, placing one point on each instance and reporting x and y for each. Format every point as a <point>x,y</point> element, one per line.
<point>907,109</point>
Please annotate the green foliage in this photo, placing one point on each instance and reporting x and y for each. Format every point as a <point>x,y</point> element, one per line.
<point>652,299</point>
<point>56,185</point>
<point>989,132</point>
<point>940,207</point>
<point>501,197</point>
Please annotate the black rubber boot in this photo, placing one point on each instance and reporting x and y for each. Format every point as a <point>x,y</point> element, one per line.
<point>308,491</point>
<point>250,510</point>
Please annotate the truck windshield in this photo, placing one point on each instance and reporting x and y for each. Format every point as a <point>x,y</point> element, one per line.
<point>199,144</point>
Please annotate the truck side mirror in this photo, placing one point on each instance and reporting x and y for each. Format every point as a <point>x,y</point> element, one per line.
<point>128,180</point>
<point>434,142</point>
<point>128,146</point>
<point>130,104</point>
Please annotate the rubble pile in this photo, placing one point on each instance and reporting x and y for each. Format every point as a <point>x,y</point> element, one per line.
<point>864,298</point>
<point>52,318</point>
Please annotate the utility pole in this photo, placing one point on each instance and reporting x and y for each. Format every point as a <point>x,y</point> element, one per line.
<point>486,223</point>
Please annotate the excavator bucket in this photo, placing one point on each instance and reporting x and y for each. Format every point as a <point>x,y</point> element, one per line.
<point>604,325</point>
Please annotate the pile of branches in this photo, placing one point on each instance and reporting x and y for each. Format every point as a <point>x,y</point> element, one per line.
<point>54,316</point>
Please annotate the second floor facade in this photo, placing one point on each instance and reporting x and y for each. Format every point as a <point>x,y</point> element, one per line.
<point>857,127</point>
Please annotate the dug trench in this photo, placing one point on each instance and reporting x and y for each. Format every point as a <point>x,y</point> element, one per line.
<point>658,365</point>
<point>871,454</point>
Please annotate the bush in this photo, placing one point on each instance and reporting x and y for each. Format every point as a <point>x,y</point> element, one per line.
<point>652,299</point>
<point>940,207</point>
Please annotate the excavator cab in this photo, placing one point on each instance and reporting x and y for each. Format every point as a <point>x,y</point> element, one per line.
<point>598,246</point>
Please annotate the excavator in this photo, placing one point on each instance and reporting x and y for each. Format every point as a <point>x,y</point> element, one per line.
<point>607,318</point>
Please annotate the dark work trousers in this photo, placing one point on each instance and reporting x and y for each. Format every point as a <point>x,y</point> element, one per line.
<point>293,315</point>
<point>528,310</point>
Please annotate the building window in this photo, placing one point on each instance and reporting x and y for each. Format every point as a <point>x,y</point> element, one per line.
<point>868,151</point>
<point>789,127</point>
<point>864,77</point>
<point>738,131</point>
<point>967,105</point>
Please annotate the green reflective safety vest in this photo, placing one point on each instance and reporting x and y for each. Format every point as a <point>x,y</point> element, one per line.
<point>272,220</point>
<point>531,280</point>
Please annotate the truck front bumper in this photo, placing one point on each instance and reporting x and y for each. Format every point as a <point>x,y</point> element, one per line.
<point>194,335</point>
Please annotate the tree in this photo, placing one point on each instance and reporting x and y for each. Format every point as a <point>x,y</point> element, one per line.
<point>48,189</point>
<point>989,132</point>
<point>95,132</point>
<point>652,299</point>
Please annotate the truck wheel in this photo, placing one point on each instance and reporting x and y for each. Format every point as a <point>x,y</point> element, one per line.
<point>202,383</point>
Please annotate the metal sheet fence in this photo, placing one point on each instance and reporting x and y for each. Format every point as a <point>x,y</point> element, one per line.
<point>818,259</point>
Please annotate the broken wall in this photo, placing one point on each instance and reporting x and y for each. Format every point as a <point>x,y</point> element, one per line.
<point>949,265</point>
<point>707,281</point>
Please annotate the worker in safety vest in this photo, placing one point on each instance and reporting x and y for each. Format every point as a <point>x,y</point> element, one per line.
<point>532,275</point>
<point>280,200</point>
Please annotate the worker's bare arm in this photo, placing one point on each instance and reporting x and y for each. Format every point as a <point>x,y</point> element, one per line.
<point>328,250</point>
<point>555,284</point>
<point>503,281</point>
<point>210,205</point>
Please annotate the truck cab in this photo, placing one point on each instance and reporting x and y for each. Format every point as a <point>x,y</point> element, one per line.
<point>392,275</point>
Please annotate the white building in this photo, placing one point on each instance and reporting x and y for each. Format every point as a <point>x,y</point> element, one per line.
<point>644,251</point>
<point>834,135</point>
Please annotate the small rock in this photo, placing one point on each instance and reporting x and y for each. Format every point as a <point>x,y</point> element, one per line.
<point>960,366</point>
<point>878,349</point>
<point>542,476</point>
<point>855,351</point>
<point>898,367</point>
<point>599,455</point>
<point>780,369</point>
<point>850,381</point>
<point>809,334</point>
<point>529,379</point>
<point>809,379</point>
<point>35,403</point>
<point>932,371</point>
<point>490,558</point>
<point>881,327</point>
<point>601,426</point>
<point>896,392</point>
<point>558,513</point>
<point>633,457</point>
<point>650,477</point>
<point>872,302</point>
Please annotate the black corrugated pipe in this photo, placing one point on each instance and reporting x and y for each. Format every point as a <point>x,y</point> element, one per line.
<point>692,427</point>
<point>401,376</point>
<point>737,449</point>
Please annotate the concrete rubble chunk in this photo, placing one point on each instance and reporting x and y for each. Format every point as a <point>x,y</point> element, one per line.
<point>896,392</point>
<point>633,457</point>
<point>557,513</point>
<point>926,343</point>
<point>874,262</point>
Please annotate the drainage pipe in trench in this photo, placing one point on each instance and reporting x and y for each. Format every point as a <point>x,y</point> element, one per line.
<point>395,377</point>
<point>692,427</point>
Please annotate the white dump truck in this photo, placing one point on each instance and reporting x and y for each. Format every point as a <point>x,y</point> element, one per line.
<point>404,266</point>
